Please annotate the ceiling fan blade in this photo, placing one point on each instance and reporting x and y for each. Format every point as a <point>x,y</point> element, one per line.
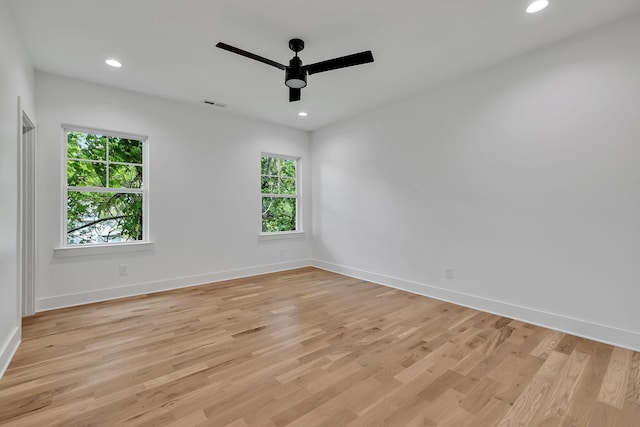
<point>294,94</point>
<point>250,55</point>
<point>342,62</point>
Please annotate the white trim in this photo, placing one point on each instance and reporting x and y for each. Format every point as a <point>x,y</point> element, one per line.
<point>64,182</point>
<point>8,350</point>
<point>282,235</point>
<point>279,196</point>
<point>26,250</point>
<point>280,156</point>
<point>123,190</point>
<point>582,328</point>
<point>20,220</point>
<point>106,132</point>
<point>299,194</point>
<point>105,162</point>
<point>145,196</point>
<point>69,300</point>
<point>102,249</point>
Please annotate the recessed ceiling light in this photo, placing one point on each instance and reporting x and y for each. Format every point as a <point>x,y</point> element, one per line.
<point>113,63</point>
<point>302,114</point>
<point>537,5</point>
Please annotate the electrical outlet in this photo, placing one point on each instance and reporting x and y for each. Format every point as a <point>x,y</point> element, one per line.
<point>281,252</point>
<point>123,269</point>
<point>448,273</point>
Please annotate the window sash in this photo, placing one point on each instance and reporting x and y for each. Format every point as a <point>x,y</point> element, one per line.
<point>142,190</point>
<point>296,195</point>
<point>105,162</point>
<point>279,196</point>
<point>295,217</point>
<point>126,190</point>
<point>118,225</point>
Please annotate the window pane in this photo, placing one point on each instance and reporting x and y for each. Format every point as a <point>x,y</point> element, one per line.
<point>125,176</point>
<point>86,146</point>
<point>269,185</point>
<point>125,150</point>
<point>278,166</point>
<point>287,168</point>
<point>86,174</point>
<point>103,217</point>
<point>287,186</point>
<point>267,166</point>
<point>278,214</point>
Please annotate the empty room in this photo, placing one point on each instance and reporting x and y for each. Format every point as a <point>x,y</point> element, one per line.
<point>330,213</point>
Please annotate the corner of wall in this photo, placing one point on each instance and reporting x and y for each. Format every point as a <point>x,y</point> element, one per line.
<point>8,349</point>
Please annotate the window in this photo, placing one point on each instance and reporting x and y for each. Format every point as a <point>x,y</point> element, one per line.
<point>105,188</point>
<point>279,188</point>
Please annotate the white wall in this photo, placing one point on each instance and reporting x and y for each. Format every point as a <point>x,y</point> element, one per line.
<point>523,178</point>
<point>204,193</point>
<point>16,80</point>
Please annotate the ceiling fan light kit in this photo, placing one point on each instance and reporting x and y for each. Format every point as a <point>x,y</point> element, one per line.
<point>536,6</point>
<point>113,63</point>
<point>295,75</point>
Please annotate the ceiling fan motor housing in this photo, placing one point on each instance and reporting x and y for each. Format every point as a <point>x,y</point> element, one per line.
<point>296,45</point>
<point>295,76</point>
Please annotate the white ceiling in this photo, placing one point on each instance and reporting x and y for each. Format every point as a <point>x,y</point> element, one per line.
<point>167,46</point>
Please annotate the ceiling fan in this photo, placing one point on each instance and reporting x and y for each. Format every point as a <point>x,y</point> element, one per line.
<point>295,75</point>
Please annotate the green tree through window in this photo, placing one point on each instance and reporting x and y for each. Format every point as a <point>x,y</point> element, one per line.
<point>105,191</point>
<point>279,187</point>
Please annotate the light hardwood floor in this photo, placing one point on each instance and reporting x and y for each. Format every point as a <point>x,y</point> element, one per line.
<point>309,348</point>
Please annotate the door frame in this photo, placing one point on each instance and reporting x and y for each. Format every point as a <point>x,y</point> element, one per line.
<point>26,239</point>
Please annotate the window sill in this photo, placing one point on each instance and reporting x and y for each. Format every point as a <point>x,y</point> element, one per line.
<point>282,235</point>
<point>117,248</point>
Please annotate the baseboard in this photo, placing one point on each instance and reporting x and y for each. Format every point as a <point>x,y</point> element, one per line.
<point>603,333</point>
<point>8,349</point>
<point>582,328</point>
<point>69,300</point>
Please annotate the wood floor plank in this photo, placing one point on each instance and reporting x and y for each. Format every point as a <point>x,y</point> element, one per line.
<point>614,385</point>
<point>517,381</point>
<point>633,384</point>
<point>548,344</point>
<point>526,406</point>
<point>480,395</point>
<point>489,415</point>
<point>467,364</point>
<point>557,402</point>
<point>308,348</point>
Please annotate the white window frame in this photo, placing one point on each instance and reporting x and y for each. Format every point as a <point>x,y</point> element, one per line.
<point>66,249</point>
<point>299,231</point>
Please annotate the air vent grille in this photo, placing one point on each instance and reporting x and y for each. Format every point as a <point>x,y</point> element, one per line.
<point>215,104</point>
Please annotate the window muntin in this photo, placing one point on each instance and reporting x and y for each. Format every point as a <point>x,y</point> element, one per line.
<point>279,189</point>
<point>105,194</point>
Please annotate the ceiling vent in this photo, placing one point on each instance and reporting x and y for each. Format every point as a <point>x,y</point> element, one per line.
<point>215,104</point>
